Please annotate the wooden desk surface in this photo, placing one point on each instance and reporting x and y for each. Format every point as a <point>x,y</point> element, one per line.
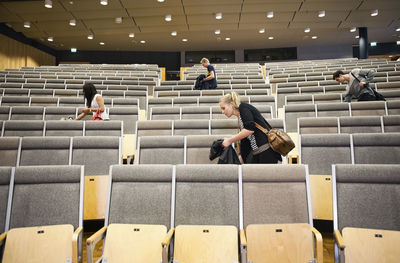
<point>371,245</point>
<point>134,243</point>
<point>39,244</point>
<point>275,243</point>
<point>206,244</point>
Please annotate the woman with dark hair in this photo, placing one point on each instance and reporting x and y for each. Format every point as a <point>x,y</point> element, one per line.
<point>94,102</point>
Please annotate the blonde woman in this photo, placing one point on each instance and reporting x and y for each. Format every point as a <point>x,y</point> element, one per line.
<point>254,146</point>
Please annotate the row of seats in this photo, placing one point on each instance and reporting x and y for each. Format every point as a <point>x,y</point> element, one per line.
<point>24,120</point>
<point>371,108</point>
<point>347,124</point>
<point>200,112</point>
<point>62,150</point>
<point>222,200</point>
<point>34,87</point>
<point>49,81</point>
<point>221,76</point>
<point>220,86</point>
<point>380,72</point>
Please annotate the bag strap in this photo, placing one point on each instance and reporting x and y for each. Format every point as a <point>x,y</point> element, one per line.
<point>365,86</point>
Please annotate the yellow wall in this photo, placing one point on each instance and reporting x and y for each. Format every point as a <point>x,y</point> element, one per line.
<point>14,55</point>
<point>183,70</point>
<point>162,73</point>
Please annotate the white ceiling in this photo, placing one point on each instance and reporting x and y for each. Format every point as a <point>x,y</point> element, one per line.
<point>195,20</point>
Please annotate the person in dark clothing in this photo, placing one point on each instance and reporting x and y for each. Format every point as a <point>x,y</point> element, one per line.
<point>210,82</point>
<point>357,84</point>
<point>254,146</point>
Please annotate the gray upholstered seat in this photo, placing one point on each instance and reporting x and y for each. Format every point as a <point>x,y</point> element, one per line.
<point>391,123</point>
<point>153,128</point>
<point>5,178</point>
<point>42,92</point>
<point>377,148</point>
<point>194,112</point>
<point>103,128</point>
<point>9,151</point>
<point>318,125</point>
<point>198,148</point>
<point>125,102</point>
<point>257,100</point>
<point>190,127</point>
<point>129,116</point>
<point>161,150</point>
<point>298,99</point>
<point>185,101</point>
<point>44,101</point>
<point>208,101</point>
<point>141,95</point>
<point>96,153</point>
<point>327,98</point>
<point>333,109</point>
<point>15,101</point>
<point>370,108</point>
<point>292,112</point>
<point>360,124</point>
<point>319,151</point>
<point>71,101</point>
<point>213,194</point>
<point>45,151</point>
<point>26,113</point>
<point>58,113</point>
<point>393,107</point>
<point>224,127</point>
<point>23,128</point>
<point>4,112</point>
<point>64,128</point>
<point>165,113</point>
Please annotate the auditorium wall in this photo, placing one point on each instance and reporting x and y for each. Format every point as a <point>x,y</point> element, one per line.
<point>324,52</point>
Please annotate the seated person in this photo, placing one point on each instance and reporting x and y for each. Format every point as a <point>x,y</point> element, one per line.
<point>210,82</point>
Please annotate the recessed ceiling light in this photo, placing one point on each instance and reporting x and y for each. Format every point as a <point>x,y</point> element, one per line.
<point>261,31</point>
<point>184,40</point>
<point>168,18</point>
<point>270,14</point>
<point>398,29</point>
<point>373,44</point>
<point>227,38</point>
<point>118,20</point>
<point>307,30</point>
<point>142,41</point>
<point>102,43</point>
<point>50,39</point>
<point>73,49</point>
<point>314,37</point>
<point>71,2</point>
<point>353,29</point>
<point>131,35</point>
<point>27,24</point>
<point>398,43</point>
<point>270,38</point>
<point>61,45</point>
<point>90,37</point>
<point>104,2</point>
<point>374,12</point>
<point>321,13</point>
<point>218,16</point>
<point>174,33</point>
<point>72,22</point>
<point>357,36</point>
<point>160,1</point>
<point>48,3</point>
<point>217,32</point>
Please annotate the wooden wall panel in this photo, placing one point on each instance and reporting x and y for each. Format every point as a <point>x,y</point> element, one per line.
<point>14,55</point>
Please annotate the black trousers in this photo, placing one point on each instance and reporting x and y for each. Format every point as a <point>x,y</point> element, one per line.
<point>366,97</point>
<point>267,156</point>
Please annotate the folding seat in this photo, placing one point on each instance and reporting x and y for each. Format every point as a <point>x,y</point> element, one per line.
<point>16,92</point>
<point>393,78</point>
<point>15,80</point>
<point>49,231</point>
<point>260,86</point>
<point>292,112</point>
<point>209,101</point>
<point>366,225</point>
<point>315,78</point>
<point>23,128</point>
<point>96,153</point>
<point>370,108</point>
<point>258,92</point>
<point>223,86</point>
<point>154,128</point>
<point>281,93</point>
<point>44,101</point>
<point>196,112</point>
<point>95,82</point>
<point>189,93</point>
<point>319,151</point>
<point>225,127</point>
<point>333,109</point>
<point>161,150</point>
<point>218,93</point>
<point>104,128</point>
<point>376,148</point>
<point>277,216</point>
<point>391,123</point>
<point>42,92</point>
<point>9,151</point>
<point>8,85</point>
<point>298,99</point>
<point>198,148</point>
<point>123,102</point>
<point>167,94</point>
<point>34,79</point>
<point>360,124</point>
<point>66,93</point>
<point>71,101</point>
<point>211,217</point>
<point>6,176</point>
<point>74,81</point>
<point>26,113</point>
<point>117,87</point>
<point>327,98</point>
<point>64,128</point>
<point>58,113</point>
<point>45,151</point>
<point>165,113</point>
<point>307,83</point>
<point>15,101</point>
<point>5,112</point>
<point>281,81</point>
<point>142,221</point>
<point>56,86</point>
<point>183,87</point>
<point>158,102</point>
<point>169,83</point>
<point>185,101</point>
<point>191,127</point>
<point>318,125</point>
<point>328,82</point>
<point>75,86</point>
<point>391,94</point>
<point>312,90</point>
<point>393,107</point>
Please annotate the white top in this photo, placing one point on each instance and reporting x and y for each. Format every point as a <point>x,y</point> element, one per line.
<point>94,104</point>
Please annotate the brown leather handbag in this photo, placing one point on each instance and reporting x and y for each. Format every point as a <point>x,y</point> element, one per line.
<point>278,140</point>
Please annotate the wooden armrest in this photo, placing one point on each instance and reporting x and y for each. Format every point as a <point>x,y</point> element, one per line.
<point>339,239</point>
<point>319,245</point>
<point>3,238</point>
<point>96,237</point>
<point>243,240</point>
<point>168,237</point>
<point>75,250</point>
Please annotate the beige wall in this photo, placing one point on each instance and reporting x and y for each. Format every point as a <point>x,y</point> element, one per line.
<point>14,54</point>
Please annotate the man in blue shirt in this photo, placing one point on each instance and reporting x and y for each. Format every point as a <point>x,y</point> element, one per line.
<point>210,82</point>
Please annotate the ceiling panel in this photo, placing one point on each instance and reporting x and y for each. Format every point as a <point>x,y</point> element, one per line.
<point>281,17</point>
